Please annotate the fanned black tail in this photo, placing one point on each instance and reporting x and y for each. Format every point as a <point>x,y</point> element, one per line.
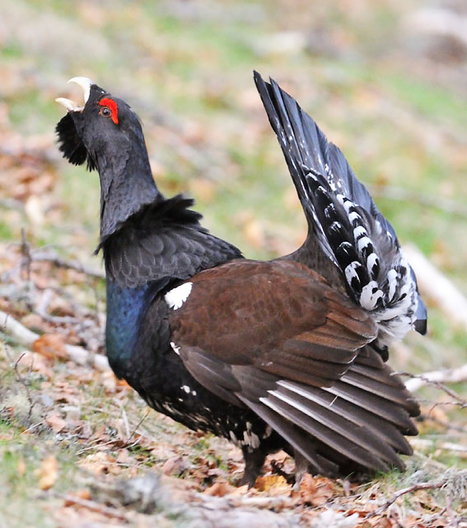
<point>342,216</point>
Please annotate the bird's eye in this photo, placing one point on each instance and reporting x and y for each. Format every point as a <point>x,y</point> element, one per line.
<point>109,108</point>
<point>106,111</point>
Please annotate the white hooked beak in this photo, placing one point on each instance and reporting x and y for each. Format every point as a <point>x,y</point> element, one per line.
<point>70,105</point>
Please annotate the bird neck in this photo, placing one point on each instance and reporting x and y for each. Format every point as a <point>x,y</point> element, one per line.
<point>127,185</point>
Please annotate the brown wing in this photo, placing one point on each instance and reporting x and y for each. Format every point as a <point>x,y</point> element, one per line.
<point>278,316</point>
<point>276,338</point>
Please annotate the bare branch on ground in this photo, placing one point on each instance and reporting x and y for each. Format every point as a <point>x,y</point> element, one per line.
<point>26,337</point>
<point>438,287</point>
<point>437,378</point>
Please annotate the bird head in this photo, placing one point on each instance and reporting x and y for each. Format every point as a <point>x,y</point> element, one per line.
<point>107,134</point>
<point>104,126</point>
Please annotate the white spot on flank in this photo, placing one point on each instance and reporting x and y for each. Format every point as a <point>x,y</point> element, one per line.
<point>175,348</point>
<point>186,388</point>
<point>176,297</point>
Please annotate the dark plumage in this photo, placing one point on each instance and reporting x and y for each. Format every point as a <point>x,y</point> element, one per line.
<point>287,354</point>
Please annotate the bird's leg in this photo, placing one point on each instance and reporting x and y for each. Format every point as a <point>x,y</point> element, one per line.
<point>301,467</point>
<point>254,460</point>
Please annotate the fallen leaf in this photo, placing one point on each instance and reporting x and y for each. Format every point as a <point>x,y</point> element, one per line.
<point>219,489</point>
<point>101,463</point>
<point>51,346</point>
<point>384,522</point>
<point>316,490</point>
<point>84,494</point>
<point>174,466</point>
<point>273,484</point>
<point>240,491</point>
<point>48,473</point>
<point>36,363</point>
<point>21,467</point>
<point>56,422</point>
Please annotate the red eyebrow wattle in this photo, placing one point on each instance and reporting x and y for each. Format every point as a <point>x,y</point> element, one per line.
<point>110,103</point>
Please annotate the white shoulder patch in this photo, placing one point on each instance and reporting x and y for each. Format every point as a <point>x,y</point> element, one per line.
<point>176,297</point>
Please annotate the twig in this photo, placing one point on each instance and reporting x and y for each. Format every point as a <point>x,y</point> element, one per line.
<point>69,264</point>
<point>453,482</point>
<point>251,502</point>
<point>93,506</point>
<point>405,491</point>
<point>43,307</point>
<point>26,337</point>
<point>426,445</point>
<point>25,255</point>
<point>16,330</point>
<point>125,422</point>
<point>21,380</point>
<point>137,426</point>
<point>437,378</point>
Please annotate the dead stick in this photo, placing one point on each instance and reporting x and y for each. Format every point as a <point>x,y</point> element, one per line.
<point>436,377</point>
<point>71,500</point>
<point>438,287</point>
<point>69,264</point>
<point>26,337</point>
<point>410,489</point>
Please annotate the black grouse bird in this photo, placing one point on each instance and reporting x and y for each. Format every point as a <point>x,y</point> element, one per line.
<point>287,354</point>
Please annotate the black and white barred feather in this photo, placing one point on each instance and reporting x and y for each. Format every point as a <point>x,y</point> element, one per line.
<point>341,214</point>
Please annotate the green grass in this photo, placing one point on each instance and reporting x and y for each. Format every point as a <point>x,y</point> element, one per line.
<point>431,101</point>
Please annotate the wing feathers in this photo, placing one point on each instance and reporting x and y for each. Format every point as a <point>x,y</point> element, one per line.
<point>357,421</point>
<point>295,437</point>
<point>341,435</point>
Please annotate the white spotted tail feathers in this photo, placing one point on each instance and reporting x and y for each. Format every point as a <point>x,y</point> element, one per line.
<point>343,218</point>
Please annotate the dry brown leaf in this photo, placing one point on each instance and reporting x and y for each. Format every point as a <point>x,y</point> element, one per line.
<point>21,468</point>
<point>175,465</point>
<point>316,490</point>
<point>36,363</point>
<point>56,422</point>
<point>48,473</point>
<point>51,346</point>
<point>273,484</point>
<point>101,463</point>
<point>84,494</point>
<point>33,321</point>
<point>384,522</point>
<point>219,489</point>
